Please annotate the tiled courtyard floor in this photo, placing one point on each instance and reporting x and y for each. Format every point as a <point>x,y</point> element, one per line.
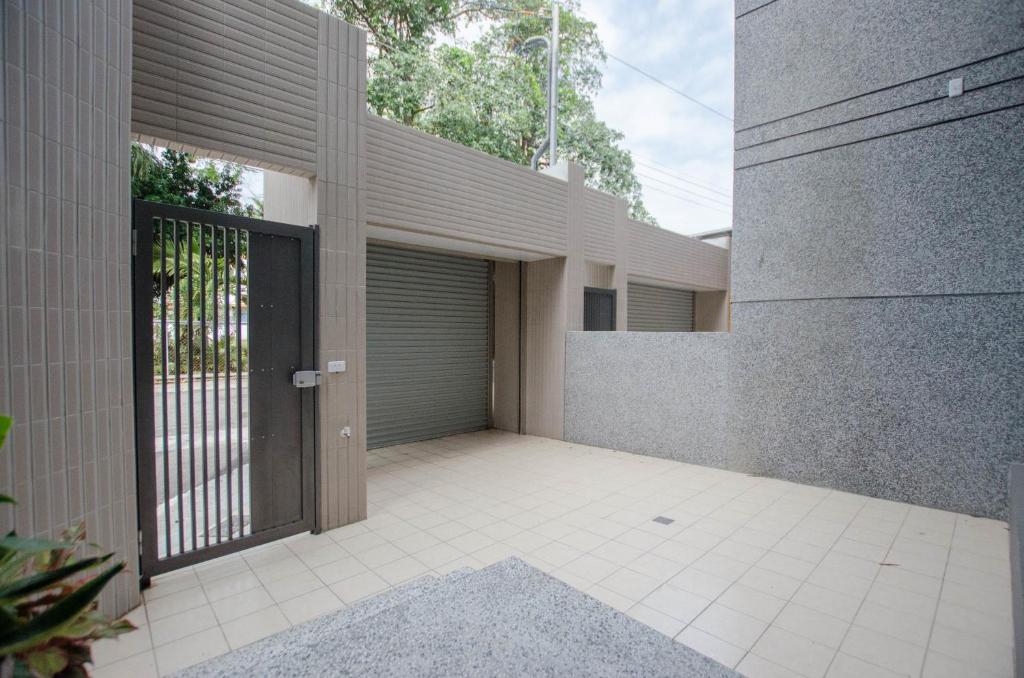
<point>769,577</point>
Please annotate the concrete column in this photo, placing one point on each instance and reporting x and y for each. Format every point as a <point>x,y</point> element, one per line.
<point>553,301</point>
<point>506,346</point>
<point>340,194</point>
<point>65,276</point>
<point>334,201</point>
<point>575,264</point>
<point>620,277</point>
<point>711,311</point>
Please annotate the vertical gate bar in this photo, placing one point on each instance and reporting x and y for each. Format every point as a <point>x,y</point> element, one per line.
<point>238,395</point>
<point>202,379</point>
<point>216,390</point>
<point>163,386</point>
<point>177,382</point>
<point>191,386</point>
<point>227,377</point>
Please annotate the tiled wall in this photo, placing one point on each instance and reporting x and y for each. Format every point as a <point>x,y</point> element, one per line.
<point>236,80</point>
<point>65,330</point>
<point>341,204</point>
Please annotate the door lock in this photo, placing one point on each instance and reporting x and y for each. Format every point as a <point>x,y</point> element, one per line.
<point>306,378</point>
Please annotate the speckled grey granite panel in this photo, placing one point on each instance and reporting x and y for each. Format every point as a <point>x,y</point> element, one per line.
<point>794,55</point>
<point>976,76</point>
<point>1017,564</point>
<point>973,103</point>
<point>746,6</point>
<point>658,393</point>
<point>935,211</point>
<point>508,619</point>
<point>916,399</point>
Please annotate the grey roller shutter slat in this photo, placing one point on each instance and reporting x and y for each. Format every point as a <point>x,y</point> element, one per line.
<point>658,309</point>
<point>427,345</point>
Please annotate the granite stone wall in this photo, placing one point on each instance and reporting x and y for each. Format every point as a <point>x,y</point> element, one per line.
<point>660,393</point>
<point>877,262</point>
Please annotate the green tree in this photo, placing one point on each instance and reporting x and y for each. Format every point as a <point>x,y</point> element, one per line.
<point>177,178</point>
<point>487,95</point>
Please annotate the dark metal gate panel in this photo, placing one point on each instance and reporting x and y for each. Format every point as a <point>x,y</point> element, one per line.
<point>598,309</point>
<point>427,345</point>
<point>224,313</point>
<point>658,309</point>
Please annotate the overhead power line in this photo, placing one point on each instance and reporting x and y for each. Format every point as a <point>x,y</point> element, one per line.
<point>669,87</point>
<point>674,187</point>
<point>655,166</point>
<point>684,199</point>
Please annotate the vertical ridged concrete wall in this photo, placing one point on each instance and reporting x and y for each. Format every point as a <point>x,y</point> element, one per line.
<point>235,80</point>
<point>878,265</point>
<point>65,313</point>
<point>341,215</point>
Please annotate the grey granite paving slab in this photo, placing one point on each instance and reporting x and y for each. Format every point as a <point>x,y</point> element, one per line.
<point>509,619</point>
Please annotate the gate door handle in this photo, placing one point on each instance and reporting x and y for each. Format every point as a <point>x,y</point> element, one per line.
<point>306,378</point>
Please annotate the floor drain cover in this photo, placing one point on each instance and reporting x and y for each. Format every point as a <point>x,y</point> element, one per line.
<point>662,520</point>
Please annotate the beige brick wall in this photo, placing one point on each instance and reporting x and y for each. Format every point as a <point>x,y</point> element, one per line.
<point>65,353</point>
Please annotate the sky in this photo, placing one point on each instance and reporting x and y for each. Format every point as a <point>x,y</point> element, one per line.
<point>680,148</point>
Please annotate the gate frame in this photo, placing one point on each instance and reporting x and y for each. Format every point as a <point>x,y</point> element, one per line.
<point>143,212</point>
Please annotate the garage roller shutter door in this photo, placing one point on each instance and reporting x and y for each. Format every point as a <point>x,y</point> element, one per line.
<point>658,309</point>
<point>427,342</point>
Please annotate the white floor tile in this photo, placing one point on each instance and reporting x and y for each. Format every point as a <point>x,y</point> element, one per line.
<point>630,584</point>
<point>169,629</point>
<point>252,627</point>
<point>734,627</point>
<point>794,652</point>
<point>716,648</point>
<point>753,666</point>
<point>676,603</point>
<point>137,666</point>
<point>812,624</point>
<point>293,586</point>
<point>309,605</point>
<point>882,650</point>
<point>845,666</point>
<point>241,604</point>
<point>174,603</point>
<point>190,650</point>
<point>701,583</point>
<point>358,587</point>
<point>231,585</point>
<point>110,650</point>
<point>778,565</point>
<point>658,621</point>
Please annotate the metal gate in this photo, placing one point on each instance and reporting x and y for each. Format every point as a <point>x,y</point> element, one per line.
<point>224,316</point>
<point>427,345</point>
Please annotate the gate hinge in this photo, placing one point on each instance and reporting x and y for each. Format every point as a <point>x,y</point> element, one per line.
<point>135,242</point>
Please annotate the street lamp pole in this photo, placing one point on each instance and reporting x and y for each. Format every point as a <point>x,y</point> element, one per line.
<point>553,85</point>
